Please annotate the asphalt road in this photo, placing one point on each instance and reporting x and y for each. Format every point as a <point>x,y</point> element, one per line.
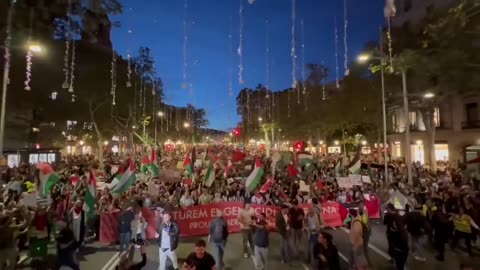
<point>96,257</point>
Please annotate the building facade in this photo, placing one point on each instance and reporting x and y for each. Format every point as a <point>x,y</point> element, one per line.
<point>456,118</point>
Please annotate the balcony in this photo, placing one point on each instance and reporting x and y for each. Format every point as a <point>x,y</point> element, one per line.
<point>471,124</point>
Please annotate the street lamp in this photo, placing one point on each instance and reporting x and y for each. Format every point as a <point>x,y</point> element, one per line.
<point>186,125</point>
<point>364,142</point>
<point>336,142</point>
<point>35,48</point>
<point>362,58</point>
<point>429,95</point>
<point>159,114</point>
<point>105,143</point>
<point>81,143</point>
<point>260,119</point>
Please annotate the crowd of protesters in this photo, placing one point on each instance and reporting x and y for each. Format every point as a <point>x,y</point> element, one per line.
<point>441,206</point>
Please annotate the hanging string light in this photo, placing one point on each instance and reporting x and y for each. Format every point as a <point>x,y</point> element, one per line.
<point>267,58</point>
<point>29,70</point>
<point>337,80</point>
<point>6,48</point>
<point>54,94</point>
<point>293,56</point>
<point>66,58</point>
<point>129,62</point>
<point>72,68</point>
<point>240,45</point>
<point>304,79</point>
<point>29,55</point>
<point>113,78</point>
<point>230,49</point>
<point>389,11</point>
<point>345,38</point>
<point>185,43</point>
<point>73,98</point>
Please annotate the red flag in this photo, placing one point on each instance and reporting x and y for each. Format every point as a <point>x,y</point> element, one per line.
<point>238,156</point>
<point>319,184</point>
<point>228,168</point>
<point>74,179</point>
<point>92,179</point>
<point>292,171</point>
<point>187,161</point>
<point>268,185</point>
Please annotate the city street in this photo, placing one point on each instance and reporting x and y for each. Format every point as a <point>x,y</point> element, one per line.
<point>95,257</point>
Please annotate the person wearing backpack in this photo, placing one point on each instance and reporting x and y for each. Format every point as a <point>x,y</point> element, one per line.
<point>218,237</point>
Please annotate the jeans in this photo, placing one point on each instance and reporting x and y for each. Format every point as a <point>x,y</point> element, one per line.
<point>284,249</point>
<point>8,257</point>
<point>312,240</point>
<point>164,254</point>
<point>247,237</point>
<point>417,243</point>
<point>125,240</point>
<point>296,238</point>
<point>261,254</point>
<point>218,251</point>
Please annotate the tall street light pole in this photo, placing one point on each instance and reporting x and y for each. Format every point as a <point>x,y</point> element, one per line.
<point>6,71</point>
<point>408,149</point>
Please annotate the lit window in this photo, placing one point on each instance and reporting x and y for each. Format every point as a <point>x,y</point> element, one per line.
<point>436,117</point>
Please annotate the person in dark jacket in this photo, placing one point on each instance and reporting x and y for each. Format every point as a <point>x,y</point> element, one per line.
<point>262,242</point>
<point>218,237</point>
<point>66,247</point>
<point>168,235</point>
<point>281,222</point>
<point>125,228</point>
<point>399,245</point>
<point>416,227</point>
<point>441,228</point>
<point>326,253</point>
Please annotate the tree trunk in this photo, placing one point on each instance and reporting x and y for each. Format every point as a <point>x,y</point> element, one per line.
<point>428,119</point>
<point>100,153</point>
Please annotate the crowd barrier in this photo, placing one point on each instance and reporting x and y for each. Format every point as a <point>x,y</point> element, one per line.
<point>195,220</point>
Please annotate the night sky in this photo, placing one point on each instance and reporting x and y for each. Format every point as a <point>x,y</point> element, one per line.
<point>158,24</point>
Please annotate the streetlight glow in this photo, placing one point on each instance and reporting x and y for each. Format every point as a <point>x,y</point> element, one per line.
<point>186,125</point>
<point>364,142</point>
<point>161,114</point>
<point>362,58</point>
<point>81,142</point>
<point>260,119</point>
<point>336,142</point>
<point>36,48</point>
<point>105,143</point>
<point>429,95</point>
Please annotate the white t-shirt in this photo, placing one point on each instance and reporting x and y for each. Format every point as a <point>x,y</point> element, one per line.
<point>246,217</point>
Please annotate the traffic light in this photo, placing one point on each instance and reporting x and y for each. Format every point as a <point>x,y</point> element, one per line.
<point>236,132</point>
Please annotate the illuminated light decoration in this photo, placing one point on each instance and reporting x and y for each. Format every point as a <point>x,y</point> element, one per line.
<point>389,11</point>
<point>72,68</point>
<point>113,76</point>
<point>185,44</point>
<point>267,58</point>
<point>337,80</point>
<point>7,43</point>
<point>73,98</point>
<point>129,62</point>
<point>345,39</point>
<point>29,70</point>
<point>293,56</point>
<point>304,79</point>
<point>66,58</point>
<point>53,96</point>
<point>230,50</point>
<point>299,146</point>
<point>240,44</point>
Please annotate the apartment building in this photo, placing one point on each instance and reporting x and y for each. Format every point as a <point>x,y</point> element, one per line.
<point>457,118</point>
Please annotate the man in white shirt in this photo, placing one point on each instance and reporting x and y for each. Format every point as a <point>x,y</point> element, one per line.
<point>245,218</point>
<point>186,200</point>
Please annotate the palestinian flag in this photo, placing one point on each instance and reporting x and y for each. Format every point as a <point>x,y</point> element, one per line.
<point>127,180</point>
<point>209,176</point>
<point>355,166</point>
<point>238,156</point>
<point>268,185</point>
<point>187,164</point>
<point>304,158</point>
<point>48,178</point>
<point>145,165</point>
<point>254,178</point>
<point>292,171</point>
<point>228,168</point>
<point>90,195</point>
<point>154,164</point>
